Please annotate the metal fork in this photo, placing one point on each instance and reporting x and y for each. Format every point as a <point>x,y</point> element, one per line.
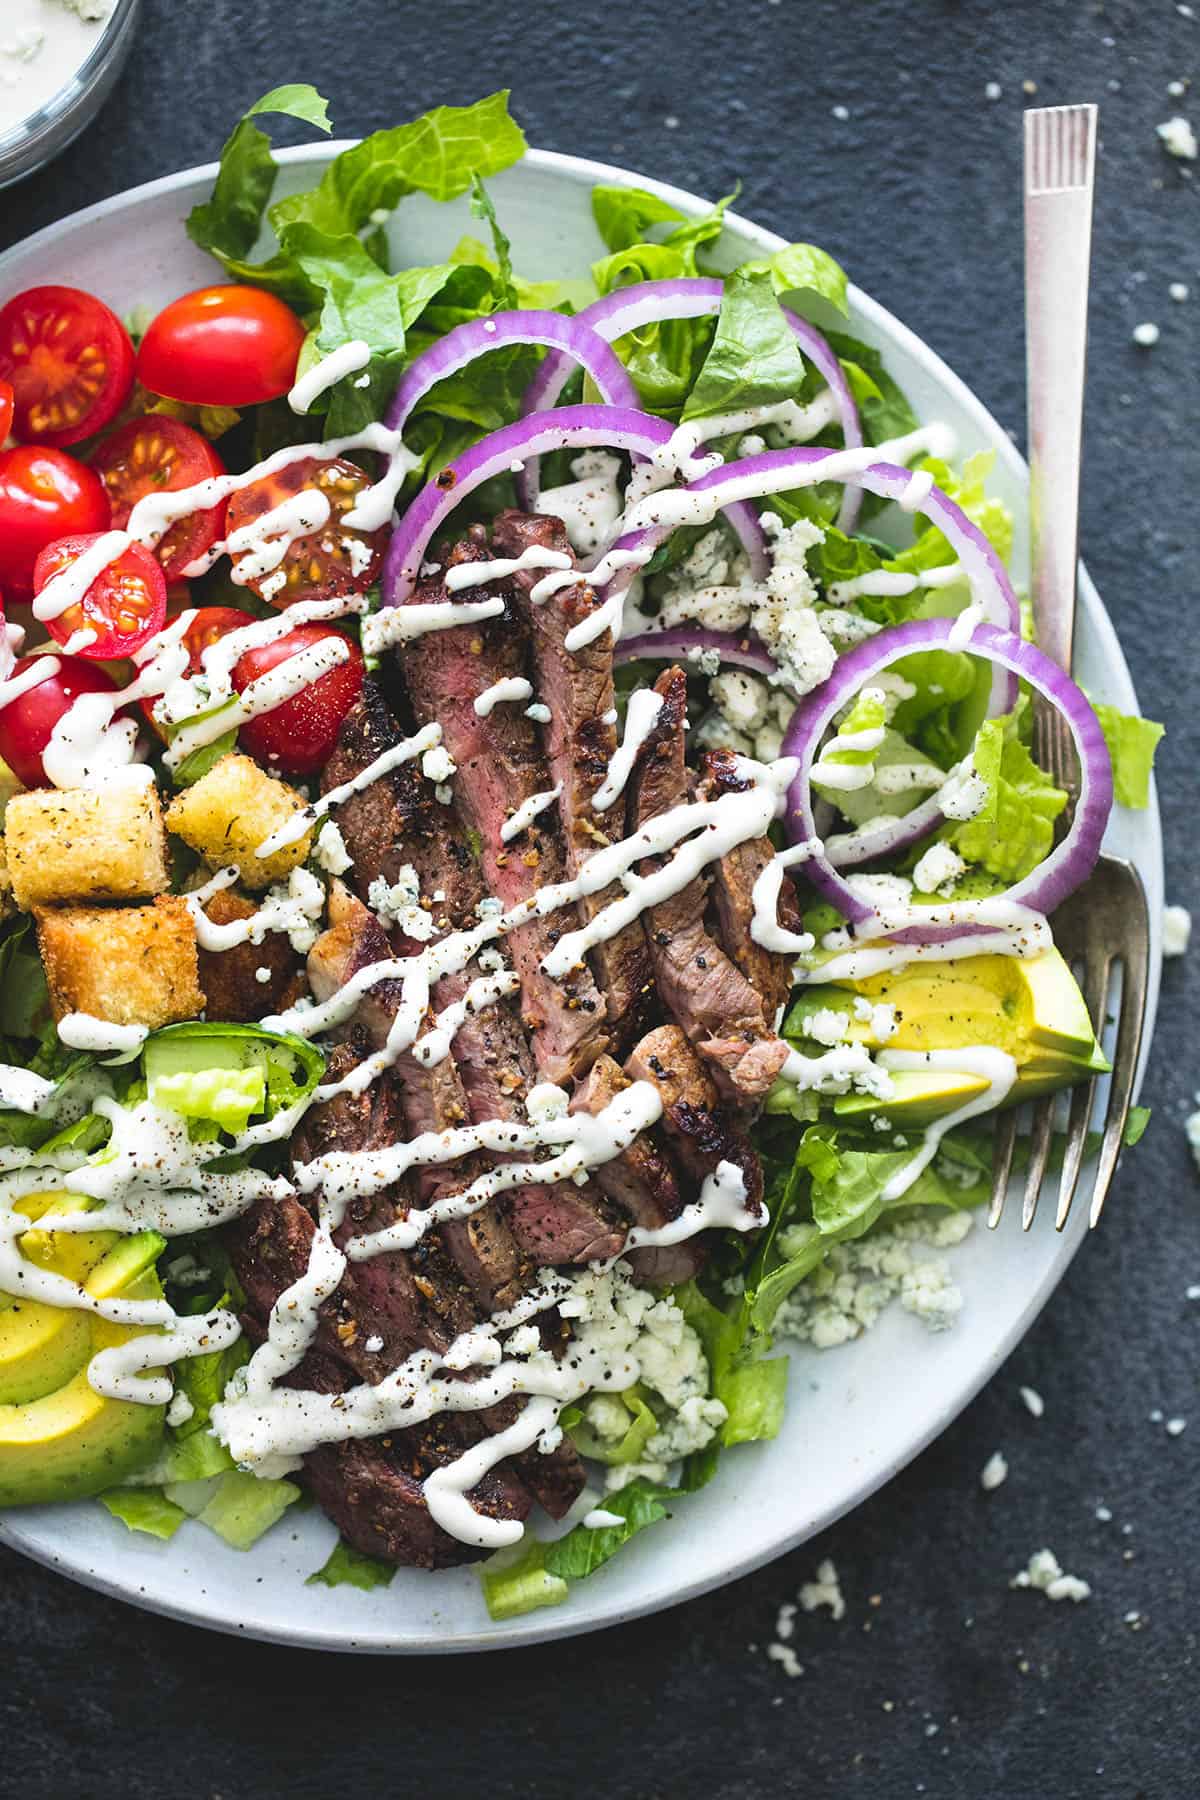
<point>1104,927</point>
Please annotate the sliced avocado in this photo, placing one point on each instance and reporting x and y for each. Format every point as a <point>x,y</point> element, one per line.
<point>73,1442</point>
<point>42,1346</point>
<point>918,1096</point>
<point>1030,1007</point>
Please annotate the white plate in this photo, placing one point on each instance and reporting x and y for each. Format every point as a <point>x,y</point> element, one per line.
<point>856,1415</point>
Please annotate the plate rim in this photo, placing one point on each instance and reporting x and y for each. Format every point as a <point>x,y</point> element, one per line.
<point>552,1625</point>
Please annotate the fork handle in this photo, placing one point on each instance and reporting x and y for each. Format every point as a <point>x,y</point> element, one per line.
<point>1058,237</point>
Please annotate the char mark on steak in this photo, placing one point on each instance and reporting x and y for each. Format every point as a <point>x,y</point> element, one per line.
<point>642,1183</point>
<point>431,1099</point>
<point>396,820</point>
<point>700,1130</point>
<point>700,987</point>
<point>580,739</point>
<point>500,766</point>
<point>554,1224</point>
<point>370,1488</point>
<point>732,892</point>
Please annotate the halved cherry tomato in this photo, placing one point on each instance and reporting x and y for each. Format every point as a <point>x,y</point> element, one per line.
<point>70,362</point>
<point>6,409</point>
<point>124,606</point>
<point>155,455</point>
<point>222,346</point>
<point>330,561</point>
<point>27,722</point>
<point>209,624</point>
<point>300,735</point>
<point>44,494</point>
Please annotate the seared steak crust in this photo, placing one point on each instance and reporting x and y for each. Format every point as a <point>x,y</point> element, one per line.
<point>703,990</point>
<point>580,739</point>
<point>500,766</point>
<point>732,892</point>
<point>700,1131</point>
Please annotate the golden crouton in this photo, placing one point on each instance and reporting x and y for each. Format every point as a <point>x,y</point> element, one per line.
<point>86,844</point>
<point>131,965</point>
<point>230,811</point>
<point>231,979</point>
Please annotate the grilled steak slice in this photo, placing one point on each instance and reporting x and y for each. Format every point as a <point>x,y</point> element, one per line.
<point>370,1488</point>
<point>431,1099</point>
<point>700,1131</point>
<point>642,1183</point>
<point>395,819</point>
<point>580,739</point>
<point>732,892</point>
<point>559,1223</point>
<point>500,766</point>
<point>229,978</point>
<point>703,990</point>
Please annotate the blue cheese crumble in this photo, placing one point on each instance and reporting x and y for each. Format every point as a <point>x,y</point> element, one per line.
<point>859,1279</point>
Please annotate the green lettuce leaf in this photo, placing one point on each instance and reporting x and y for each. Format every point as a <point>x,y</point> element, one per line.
<point>623,214</point>
<point>806,269</point>
<point>1132,742</point>
<point>347,1567</point>
<point>1015,830</point>
<point>144,1509</point>
<point>1135,1125</point>
<point>753,359</point>
<point>639,1504</point>
<point>626,1449</point>
<point>437,154</point>
<point>228,224</point>
<point>517,1583</point>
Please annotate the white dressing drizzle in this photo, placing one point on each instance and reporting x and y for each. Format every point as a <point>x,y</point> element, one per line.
<point>765,928</point>
<point>83,1031</point>
<point>641,716</point>
<point>527,812</point>
<point>119,1372</point>
<point>347,359</point>
<point>402,624</point>
<point>428,738</point>
<point>38,671</point>
<point>889,583</point>
<point>509,687</point>
<point>997,1068</point>
<point>477,574</point>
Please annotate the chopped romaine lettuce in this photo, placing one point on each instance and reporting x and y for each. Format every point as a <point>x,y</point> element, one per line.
<point>1131,742</point>
<point>753,359</point>
<point>242,1507</point>
<point>628,1448</point>
<point>144,1509</point>
<point>201,1063</point>
<point>347,1567</point>
<point>521,1583</point>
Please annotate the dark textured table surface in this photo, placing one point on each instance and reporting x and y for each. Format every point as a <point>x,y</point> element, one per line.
<point>939,1680</point>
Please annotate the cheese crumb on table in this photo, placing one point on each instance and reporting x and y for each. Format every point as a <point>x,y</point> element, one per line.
<point>1045,1573</point>
<point>1178,138</point>
<point>1033,1401</point>
<point>994,1473</point>
<point>1176,930</point>
<point>1146,335</point>
<point>824,1591</point>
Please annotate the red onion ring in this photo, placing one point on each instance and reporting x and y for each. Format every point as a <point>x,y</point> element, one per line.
<point>688,297</point>
<point>735,648</point>
<point>568,338</point>
<point>567,428</point>
<point>1068,864</point>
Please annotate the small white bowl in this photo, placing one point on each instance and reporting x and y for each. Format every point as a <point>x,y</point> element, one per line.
<point>34,140</point>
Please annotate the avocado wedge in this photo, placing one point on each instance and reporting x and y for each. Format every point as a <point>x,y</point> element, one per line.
<point>1030,1007</point>
<point>69,1441</point>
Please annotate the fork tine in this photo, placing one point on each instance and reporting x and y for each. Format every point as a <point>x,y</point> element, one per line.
<point>1129,1039</point>
<point>1039,1154</point>
<point>1002,1155</point>
<point>1082,1099</point>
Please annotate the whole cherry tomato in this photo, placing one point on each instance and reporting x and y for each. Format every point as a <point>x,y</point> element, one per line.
<point>27,722</point>
<point>44,494</point>
<point>222,346</point>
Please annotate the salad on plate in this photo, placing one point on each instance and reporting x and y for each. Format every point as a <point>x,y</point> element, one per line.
<point>524,877</point>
